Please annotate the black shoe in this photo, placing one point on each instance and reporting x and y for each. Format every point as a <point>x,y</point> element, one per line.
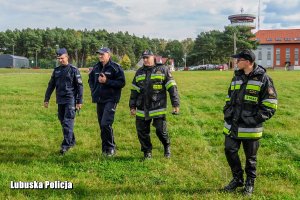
<point>249,187</point>
<point>147,155</point>
<point>63,151</point>
<point>109,152</point>
<point>167,151</point>
<point>234,183</point>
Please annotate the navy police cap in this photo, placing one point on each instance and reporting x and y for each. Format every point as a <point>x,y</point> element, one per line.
<point>246,54</point>
<point>147,53</point>
<point>103,50</point>
<point>61,51</point>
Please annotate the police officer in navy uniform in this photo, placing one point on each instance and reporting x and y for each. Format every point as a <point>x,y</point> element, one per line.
<point>251,100</point>
<point>148,102</point>
<point>66,79</point>
<point>106,81</point>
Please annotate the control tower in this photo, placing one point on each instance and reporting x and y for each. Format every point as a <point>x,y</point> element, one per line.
<point>242,20</point>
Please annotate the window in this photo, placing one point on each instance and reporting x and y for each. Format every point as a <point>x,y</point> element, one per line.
<point>278,39</point>
<point>269,39</point>
<point>269,55</point>
<point>259,55</point>
<point>277,56</point>
<point>287,39</point>
<point>296,56</point>
<point>287,55</point>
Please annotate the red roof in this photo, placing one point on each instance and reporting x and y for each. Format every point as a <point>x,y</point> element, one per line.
<point>281,36</point>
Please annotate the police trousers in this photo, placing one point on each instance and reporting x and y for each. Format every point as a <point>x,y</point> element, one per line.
<point>232,147</point>
<point>143,130</point>
<point>106,113</point>
<point>66,115</point>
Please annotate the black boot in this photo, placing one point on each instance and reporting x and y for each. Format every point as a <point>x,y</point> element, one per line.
<point>234,183</point>
<point>167,151</point>
<point>249,187</point>
<point>147,155</point>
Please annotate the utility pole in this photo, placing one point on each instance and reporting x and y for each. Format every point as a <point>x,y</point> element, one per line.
<point>234,43</point>
<point>13,49</point>
<point>36,58</point>
<point>258,17</point>
<point>184,60</point>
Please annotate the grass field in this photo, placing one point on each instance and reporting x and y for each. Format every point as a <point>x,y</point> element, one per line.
<point>30,138</point>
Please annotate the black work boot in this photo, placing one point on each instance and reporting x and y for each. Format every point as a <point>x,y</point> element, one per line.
<point>147,155</point>
<point>249,187</point>
<point>234,183</point>
<point>167,151</point>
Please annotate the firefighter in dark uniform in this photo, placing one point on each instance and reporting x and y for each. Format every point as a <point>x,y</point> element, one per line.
<point>251,100</point>
<point>106,81</point>
<point>148,101</point>
<point>66,79</point>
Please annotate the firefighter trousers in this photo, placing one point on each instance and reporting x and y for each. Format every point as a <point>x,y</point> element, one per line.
<point>143,130</point>
<point>250,147</point>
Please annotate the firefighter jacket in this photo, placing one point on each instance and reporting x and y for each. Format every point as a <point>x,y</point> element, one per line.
<point>111,90</point>
<point>68,84</point>
<point>148,92</point>
<point>251,100</point>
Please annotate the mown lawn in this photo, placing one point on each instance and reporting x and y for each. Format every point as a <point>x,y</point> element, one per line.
<point>30,138</point>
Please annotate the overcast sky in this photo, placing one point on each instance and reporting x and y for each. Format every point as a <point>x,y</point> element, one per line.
<point>168,19</point>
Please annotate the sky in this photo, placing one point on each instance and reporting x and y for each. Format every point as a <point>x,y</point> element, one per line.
<point>167,19</point>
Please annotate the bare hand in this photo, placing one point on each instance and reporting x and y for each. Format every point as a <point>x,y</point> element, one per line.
<point>175,110</point>
<point>102,78</point>
<point>46,104</point>
<point>133,111</point>
<point>78,106</point>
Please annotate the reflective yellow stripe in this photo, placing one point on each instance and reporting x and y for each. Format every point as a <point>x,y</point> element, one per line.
<point>226,131</point>
<point>158,76</point>
<point>158,113</point>
<point>140,78</point>
<point>235,87</point>
<point>270,105</point>
<point>253,87</point>
<point>251,98</point>
<point>250,135</point>
<point>134,87</point>
<point>140,113</point>
<point>153,113</point>
<point>157,87</point>
<point>170,84</point>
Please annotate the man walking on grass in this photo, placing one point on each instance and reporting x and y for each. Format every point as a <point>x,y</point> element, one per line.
<point>66,79</point>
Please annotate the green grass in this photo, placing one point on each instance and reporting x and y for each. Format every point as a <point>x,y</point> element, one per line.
<point>30,138</point>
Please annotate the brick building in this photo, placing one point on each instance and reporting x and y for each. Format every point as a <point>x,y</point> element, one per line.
<point>278,48</point>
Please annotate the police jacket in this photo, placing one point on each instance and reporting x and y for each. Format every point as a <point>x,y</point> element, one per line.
<point>68,84</point>
<point>251,100</point>
<point>111,90</point>
<point>148,93</point>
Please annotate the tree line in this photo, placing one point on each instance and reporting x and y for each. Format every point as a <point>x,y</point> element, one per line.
<point>214,47</point>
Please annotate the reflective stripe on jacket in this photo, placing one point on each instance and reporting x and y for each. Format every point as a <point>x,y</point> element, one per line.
<point>251,100</point>
<point>148,91</point>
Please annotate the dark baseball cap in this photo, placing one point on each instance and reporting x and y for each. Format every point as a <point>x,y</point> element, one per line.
<point>61,51</point>
<point>147,53</point>
<point>103,50</point>
<point>245,54</point>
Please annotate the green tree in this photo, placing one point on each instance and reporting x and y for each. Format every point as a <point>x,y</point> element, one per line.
<point>125,62</point>
<point>174,50</point>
